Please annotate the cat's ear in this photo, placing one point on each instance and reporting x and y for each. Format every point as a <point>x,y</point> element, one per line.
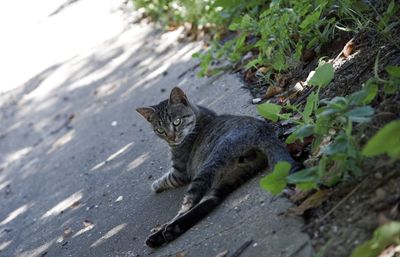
<point>146,112</point>
<point>178,97</point>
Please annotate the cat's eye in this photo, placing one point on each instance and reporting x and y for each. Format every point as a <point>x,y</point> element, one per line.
<point>176,122</point>
<point>160,130</point>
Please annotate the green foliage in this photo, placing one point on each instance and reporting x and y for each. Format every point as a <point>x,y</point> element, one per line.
<point>275,182</point>
<point>384,236</point>
<point>323,75</point>
<point>385,141</point>
<point>330,122</point>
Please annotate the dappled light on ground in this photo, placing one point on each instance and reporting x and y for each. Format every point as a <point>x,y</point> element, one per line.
<point>138,161</point>
<point>38,251</point>
<point>4,245</point>
<point>63,205</point>
<point>112,156</point>
<point>14,214</point>
<point>67,137</point>
<point>109,234</point>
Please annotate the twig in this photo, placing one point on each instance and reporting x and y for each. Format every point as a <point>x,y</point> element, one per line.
<point>342,201</point>
<point>240,250</point>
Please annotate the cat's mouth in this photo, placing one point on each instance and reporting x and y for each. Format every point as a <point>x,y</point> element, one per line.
<point>175,142</point>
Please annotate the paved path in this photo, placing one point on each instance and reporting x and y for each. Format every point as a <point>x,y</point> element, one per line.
<point>77,162</point>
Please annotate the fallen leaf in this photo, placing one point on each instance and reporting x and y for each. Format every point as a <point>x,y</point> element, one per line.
<point>312,201</point>
<point>67,232</point>
<point>222,254</point>
<point>348,49</point>
<point>264,69</point>
<point>298,147</point>
<point>300,195</point>
<point>87,223</point>
<point>249,76</point>
<point>272,91</point>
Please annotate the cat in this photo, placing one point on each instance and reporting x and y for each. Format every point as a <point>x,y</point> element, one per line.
<point>212,153</point>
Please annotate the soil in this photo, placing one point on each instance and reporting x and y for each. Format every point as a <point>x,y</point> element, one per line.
<point>358,206</point>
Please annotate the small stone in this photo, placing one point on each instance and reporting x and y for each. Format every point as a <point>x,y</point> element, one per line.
<point>114,123</point>
<point>255,244</point>
<point>256,100</point>
<point>119,199</point>
<point>378,175</point>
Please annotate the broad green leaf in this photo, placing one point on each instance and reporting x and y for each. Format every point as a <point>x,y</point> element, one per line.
<point>386,140</point>
<point>269,111</point>
<point>364,96</point>
<point>323,75</point>
<point>275,182</point>
<point>304,131</point>
<point>360,114</point>
<point>384,236</point>
<point>393,71</point>
<point>307,185</point>
<point>309,175</point>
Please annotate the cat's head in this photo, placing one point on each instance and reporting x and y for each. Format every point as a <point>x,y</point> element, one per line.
<point>173,119</point>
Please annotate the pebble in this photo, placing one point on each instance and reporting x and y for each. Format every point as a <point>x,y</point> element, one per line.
<point>119,199</point>
<point>256,100</point>
<point>114,123</point>
<point>378,175</point>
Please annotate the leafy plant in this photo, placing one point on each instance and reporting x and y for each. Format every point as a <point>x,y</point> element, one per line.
<point>384,236</point>
<point>275,182</point>
<point>330,123</point>
<point>385,141</point>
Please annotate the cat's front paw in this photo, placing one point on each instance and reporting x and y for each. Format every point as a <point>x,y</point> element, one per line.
<point>156,239</point>
<point>156,188</point>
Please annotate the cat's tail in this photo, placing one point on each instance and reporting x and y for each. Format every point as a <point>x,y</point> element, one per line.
<point>276,151</point>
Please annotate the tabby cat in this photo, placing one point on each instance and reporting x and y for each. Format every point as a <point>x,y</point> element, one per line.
<point>212,153</point>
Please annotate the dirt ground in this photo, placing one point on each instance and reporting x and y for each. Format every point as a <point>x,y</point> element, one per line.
<point>356,207</point>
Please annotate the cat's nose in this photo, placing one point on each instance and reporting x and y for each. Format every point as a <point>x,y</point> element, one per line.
<point>170,135</point>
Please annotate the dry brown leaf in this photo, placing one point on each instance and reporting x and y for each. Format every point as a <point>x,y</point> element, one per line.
<point>297,147</point>
<point>300,195</point>
<point>348,49</point>
<point>264,69</point>
<point>222,254</point>
<point>272,90</point>
<point>181,254</point>
<point>312,201</point>
<point>249,76</point>
<point>67,232</point>
<point>87,223</point>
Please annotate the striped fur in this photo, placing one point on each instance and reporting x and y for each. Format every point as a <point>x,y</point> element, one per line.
<point>212,153</point>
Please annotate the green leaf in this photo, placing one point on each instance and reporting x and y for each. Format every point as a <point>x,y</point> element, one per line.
<point>364,96</point>
<point>360,114</point>
<point>386,140</point>
<point>304,131</point>
<point>275,182</point>
<point>323,75</point>
<point>385,235</point>
<point>269,111</point>
<point>310,20</point>
<point>309,175</point>
<point>393,71</point>
<point>309,107</point>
